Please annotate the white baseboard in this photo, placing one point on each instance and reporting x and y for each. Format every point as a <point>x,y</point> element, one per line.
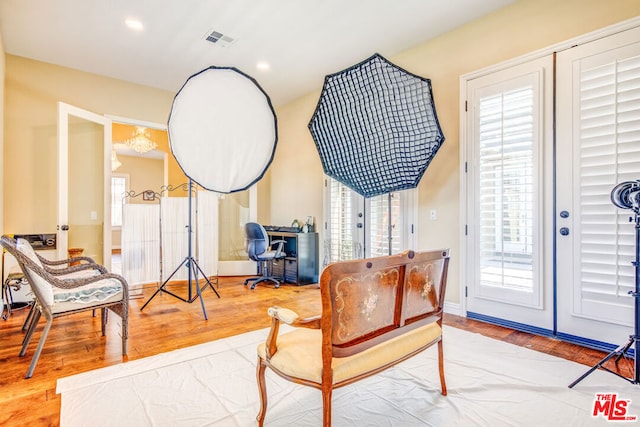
<point>453,308</point>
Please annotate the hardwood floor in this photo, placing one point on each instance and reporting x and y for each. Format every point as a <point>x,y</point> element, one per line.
<point>74,344</point>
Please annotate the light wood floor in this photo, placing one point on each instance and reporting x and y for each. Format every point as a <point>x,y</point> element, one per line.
<point>75,345</point>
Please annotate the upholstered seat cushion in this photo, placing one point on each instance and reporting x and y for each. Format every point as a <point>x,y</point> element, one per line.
<point>100,292</point>
<point>300,353</point>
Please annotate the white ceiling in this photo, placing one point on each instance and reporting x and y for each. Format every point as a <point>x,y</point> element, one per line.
<point>302,40</point>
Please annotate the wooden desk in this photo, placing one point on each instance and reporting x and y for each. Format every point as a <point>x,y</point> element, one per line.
<point>301,265</point>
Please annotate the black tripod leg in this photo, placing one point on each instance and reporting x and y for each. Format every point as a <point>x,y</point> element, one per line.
<point>624,350</point>
<point>615,352</point>
<point>161,288</point>
<point>194,268</point>
<point>207,280</point>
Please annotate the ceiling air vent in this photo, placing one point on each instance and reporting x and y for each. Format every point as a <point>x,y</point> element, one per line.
<point>219,39</point>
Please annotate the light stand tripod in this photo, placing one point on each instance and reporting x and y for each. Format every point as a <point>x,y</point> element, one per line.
<point>626,195</point>
<point>192,267</point>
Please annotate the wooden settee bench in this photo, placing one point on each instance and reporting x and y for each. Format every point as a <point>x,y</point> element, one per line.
<point>376,313</point>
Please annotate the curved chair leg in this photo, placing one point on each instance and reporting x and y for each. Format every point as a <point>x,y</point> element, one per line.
<point>262,388</point>
<point>36,355</point>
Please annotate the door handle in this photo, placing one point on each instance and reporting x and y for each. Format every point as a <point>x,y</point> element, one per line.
<point>564,231</point>
<point>564,214</point>
<point>63,227</point>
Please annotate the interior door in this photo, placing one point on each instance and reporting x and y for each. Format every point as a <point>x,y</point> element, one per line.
<point>84,183</point>
<point>598,147</point>
<point>509,188</point>
<point>235,210</point>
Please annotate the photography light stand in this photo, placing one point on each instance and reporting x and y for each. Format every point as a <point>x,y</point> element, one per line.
<point>626,195</point>
<point>192,267</point>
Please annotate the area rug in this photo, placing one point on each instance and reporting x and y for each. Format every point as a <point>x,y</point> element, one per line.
<point>490,383</point>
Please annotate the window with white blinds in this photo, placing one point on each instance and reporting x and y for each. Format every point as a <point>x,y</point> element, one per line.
<point>506,122</point>
<point>609,153</point>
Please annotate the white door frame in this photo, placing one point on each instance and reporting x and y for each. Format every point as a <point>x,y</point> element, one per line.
<point>64,112</point>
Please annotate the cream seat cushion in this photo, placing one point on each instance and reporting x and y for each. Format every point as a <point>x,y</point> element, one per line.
<point>300,353</point>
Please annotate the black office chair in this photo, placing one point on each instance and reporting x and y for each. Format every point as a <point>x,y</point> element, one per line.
<point>261,250</point>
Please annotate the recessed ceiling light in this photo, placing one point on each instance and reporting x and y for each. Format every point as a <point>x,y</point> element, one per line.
<point>263,65</point>
<point>134,24</point>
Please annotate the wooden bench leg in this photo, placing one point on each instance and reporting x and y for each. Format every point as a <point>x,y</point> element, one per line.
<point>441,368</point>
<point>327,390</point>
<point>262,388</point>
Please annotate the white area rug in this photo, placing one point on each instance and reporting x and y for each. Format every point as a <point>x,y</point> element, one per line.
<point>490,383</point>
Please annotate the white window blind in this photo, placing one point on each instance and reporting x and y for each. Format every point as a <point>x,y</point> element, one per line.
<point>385,213</point>
<point>609,153</point>
<point>340,245</point>
<point>506,120</point>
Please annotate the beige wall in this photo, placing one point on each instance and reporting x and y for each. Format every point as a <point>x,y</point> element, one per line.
<point>2,102</point>
<point>527,25</point>
<point>32,90</point>
<point>144,174</point>
<point>292,189</point>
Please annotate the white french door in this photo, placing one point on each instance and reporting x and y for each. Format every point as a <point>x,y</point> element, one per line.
<point>598,147</point>
<point>507,175</point>
<point>84,183</point>
<point>361,228</point>
<point>545,249</point>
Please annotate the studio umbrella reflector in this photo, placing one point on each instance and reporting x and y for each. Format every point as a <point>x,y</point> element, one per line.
<point>375,127</point>
<point>222,129</point>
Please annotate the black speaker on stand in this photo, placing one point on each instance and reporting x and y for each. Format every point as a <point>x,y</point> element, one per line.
<point>626,195</point>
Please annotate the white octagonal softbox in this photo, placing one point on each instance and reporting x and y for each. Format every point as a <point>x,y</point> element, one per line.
<point>222,129</point>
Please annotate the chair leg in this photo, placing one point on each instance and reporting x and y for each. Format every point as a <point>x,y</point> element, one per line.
<point>441,368</point>
<point>125,329</point>
<point>262,388</point>
<point>266,279</point>
<point>326,404</point>
<point>36,355</point>
<point>103,321</point>
<point>30,331</point>
<point>25,325</point>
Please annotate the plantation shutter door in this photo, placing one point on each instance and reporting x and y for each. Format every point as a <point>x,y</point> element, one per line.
<point>598,147</point>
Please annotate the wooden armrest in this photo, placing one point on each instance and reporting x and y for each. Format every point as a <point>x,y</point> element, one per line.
<point>290,317</point>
